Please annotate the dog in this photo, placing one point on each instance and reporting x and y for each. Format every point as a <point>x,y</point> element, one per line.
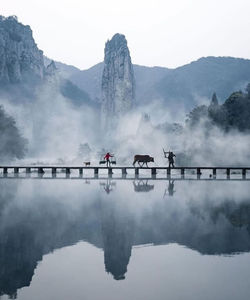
<point>87,163</point>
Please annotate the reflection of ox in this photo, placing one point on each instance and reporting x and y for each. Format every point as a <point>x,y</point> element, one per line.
<point>144,159</point>
<point>142,186</point>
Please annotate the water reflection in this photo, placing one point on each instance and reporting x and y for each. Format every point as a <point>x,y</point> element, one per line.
<point>142,186</point>
<point>170,190</point>
<point>117,233</point>
<point>39,216</point>
<point>108,186</point>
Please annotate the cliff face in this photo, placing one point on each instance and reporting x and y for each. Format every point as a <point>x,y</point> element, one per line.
<point>118,84</point>
<point>20,59</point>
<point>23,71</point>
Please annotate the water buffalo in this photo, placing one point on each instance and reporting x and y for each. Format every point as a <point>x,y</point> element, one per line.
<point>144,159</point>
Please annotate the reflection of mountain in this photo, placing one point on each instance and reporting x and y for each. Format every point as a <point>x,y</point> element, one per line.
<point>29,231</point>
<point>18,259</point>
<point>117,230</point>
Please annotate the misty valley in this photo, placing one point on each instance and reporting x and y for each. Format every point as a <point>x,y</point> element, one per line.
<point>122,181</point>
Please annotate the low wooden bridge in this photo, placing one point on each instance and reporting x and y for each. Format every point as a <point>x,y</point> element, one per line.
<point>40,169</point>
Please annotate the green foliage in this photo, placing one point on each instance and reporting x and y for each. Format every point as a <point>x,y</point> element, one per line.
<point>234,113</point>
<point>237,108</point>
<point>12,144</point>
<point>248,90</point>
<point>197,115</point>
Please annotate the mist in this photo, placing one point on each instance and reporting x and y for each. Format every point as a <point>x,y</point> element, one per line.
<point>55,128</point>
<point>149,130</point>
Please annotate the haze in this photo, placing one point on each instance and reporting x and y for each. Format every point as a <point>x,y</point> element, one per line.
<point>159,32</point>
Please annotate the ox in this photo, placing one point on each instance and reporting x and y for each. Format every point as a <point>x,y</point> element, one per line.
<point>144,159</point>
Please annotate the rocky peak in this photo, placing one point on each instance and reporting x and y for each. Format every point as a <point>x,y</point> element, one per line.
<point>118,84</point>
<point>214,101</point>
<point>20,58</point>
<point>51,69</point>
<point>114,46</point>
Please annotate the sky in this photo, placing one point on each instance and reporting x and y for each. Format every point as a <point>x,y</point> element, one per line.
<point>167,33</point>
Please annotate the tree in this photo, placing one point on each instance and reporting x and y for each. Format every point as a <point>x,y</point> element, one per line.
<point>214,101</point>
<point>198,114</point>
<point>248,90</point>
<point>12,144</point>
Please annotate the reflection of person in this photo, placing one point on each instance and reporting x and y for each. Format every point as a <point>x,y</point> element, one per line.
<point>108,186</point>
<point>107,158</point>
<point>171,190</point>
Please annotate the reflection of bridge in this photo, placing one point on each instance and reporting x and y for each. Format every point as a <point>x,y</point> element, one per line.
<point>88,179</point>
<point>40,169</point>
<point>113,226</point>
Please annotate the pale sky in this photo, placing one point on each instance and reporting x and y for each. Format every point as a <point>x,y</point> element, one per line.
<point>166,33</point>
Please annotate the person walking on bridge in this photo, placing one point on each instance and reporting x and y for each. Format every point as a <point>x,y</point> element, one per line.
<point>170,157</point>
<point>107,158</point>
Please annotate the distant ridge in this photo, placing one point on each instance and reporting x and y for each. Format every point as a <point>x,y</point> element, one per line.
<point>188,85</point>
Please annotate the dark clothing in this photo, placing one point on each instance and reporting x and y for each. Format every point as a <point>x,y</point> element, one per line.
<point>171,156</point>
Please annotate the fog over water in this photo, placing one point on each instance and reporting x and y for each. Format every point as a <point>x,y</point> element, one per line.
<point>60,229</point>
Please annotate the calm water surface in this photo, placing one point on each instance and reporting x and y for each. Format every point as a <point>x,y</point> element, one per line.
<point>124,239</point>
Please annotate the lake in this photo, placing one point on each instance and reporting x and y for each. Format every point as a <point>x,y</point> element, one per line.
<point>124,239</point>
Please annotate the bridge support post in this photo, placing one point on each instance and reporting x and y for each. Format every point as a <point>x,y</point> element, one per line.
<point>5,170</point>
<point>96,171</point>
<point>182,172</point>
<point>244,172</point>
<point>40,170</point>
<point>214,172</point>
<point>80,171</point>
<point>228,173</point>
<point>110,171</point>
<point>28,170</point>
<point>16,170</point>
<point>67,171</point>
<point>153,171</point>
<point>124,171</point>
<point>136,171</point>
<point>198,173</point>
<point>53,171</point>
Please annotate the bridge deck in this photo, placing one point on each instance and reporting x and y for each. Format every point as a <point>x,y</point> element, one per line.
<point>40,169</point>
<point>118,167</point>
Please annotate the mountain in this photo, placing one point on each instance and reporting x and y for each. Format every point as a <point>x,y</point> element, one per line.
<point>191,83</point>
<point>20,59</point>
<point>186,86</point>
<point>90,80</point>
<point>118,82</point>
<point>23,67</point>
